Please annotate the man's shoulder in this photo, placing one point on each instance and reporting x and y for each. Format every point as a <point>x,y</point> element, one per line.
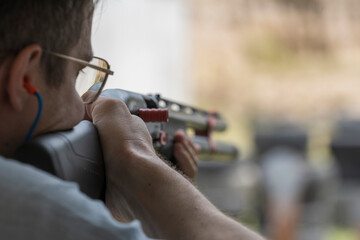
<point>37,205</point>
<point>15,174</point>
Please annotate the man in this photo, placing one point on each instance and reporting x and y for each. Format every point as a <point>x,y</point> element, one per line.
<point>44,46</point>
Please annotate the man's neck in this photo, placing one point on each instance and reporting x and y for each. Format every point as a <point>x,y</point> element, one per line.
<point>8,146</point>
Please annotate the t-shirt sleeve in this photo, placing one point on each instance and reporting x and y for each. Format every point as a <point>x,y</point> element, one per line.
<point>36,205</point>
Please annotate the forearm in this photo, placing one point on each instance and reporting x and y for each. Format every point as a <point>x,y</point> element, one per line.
<point>177,209</point>
<point>127,210</point>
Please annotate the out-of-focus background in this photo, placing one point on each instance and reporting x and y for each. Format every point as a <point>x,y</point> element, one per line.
<point>283,73</point>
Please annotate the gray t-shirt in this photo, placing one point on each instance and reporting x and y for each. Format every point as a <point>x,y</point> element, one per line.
<point>36,205</point>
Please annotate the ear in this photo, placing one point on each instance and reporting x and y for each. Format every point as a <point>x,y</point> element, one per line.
<point>23,69</point>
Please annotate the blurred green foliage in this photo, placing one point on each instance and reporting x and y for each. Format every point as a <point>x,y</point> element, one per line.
<point>337,233</point>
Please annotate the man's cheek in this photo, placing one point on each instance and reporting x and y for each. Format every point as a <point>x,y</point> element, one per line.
<point>77,110</point>
<point>67,113</point>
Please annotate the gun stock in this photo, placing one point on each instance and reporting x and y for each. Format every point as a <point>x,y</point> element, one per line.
<point>73,155</point>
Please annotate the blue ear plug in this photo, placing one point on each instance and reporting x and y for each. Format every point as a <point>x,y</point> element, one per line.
<point>33,91</point>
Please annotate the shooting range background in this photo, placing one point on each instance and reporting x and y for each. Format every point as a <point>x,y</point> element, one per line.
<point>250,59</point>
<point>295,61</point>
<point>282,61</point>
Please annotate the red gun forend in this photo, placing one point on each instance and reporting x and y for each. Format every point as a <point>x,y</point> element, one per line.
<point>153,115</point>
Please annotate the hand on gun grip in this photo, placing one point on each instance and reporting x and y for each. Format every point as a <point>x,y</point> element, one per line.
<point>186,154</point>
<point>121,134</point>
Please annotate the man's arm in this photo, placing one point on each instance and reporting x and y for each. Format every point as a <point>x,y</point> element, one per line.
<point>133,170</point>
<point>185,153</point>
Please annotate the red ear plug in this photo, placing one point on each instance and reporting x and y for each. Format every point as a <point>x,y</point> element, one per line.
<point>29,88</point>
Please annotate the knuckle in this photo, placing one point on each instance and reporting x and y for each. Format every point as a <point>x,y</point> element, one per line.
<point>181,158</point>
<point>178,148</point>
<point>112,102</point>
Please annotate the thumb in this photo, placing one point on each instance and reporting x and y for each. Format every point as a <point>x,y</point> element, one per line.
<point>86,115</point>
<point>86,97</point>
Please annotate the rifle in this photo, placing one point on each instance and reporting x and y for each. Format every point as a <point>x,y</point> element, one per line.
<point>75,155</point>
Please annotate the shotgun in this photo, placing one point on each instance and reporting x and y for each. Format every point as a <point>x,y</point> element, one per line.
<point>76,155</point>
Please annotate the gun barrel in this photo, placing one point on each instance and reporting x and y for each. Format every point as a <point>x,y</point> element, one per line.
<point>223,152</point>
<point>197,121</point>
<point>195,118</point>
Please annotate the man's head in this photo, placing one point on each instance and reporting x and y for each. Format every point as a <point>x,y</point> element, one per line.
<point>54,25</point>
<point>28,27</point>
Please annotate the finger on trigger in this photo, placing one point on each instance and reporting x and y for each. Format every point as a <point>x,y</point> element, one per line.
<point>185,161</point>
<point>181,137</point>
<point>197,148</point>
